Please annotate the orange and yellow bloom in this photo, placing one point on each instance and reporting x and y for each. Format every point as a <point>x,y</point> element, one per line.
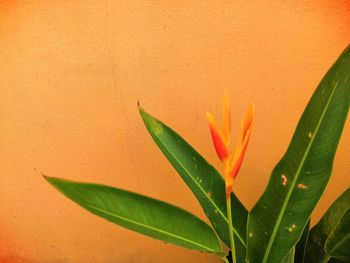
<point>232,160</point>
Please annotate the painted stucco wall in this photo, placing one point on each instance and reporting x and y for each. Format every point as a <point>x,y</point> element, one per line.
<point>71,73</point>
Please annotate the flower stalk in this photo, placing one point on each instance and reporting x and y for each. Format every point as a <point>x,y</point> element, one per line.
<point>230,228</point>
<point>232,159</point>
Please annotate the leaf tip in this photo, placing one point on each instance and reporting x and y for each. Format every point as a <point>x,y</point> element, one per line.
<point>51,180</point>
<point>47,178</point>
<point>139,106</point>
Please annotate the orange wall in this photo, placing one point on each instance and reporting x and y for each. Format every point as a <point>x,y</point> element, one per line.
<point>71,73</point>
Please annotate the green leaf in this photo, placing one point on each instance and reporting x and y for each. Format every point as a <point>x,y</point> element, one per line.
<point>297,182</point>
<point>204,181</point>
<point>142,214</point>
<point>338,242</point>
<point>325,228</point>
<point>300,248</point>
<point>289,258</point>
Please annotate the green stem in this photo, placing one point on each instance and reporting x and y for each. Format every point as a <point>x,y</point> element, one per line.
<point>230,228</point>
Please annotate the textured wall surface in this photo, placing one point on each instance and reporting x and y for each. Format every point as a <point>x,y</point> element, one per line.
<point>71,73</point>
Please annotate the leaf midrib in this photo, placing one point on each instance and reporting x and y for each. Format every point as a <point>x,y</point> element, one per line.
<point>279,219</point>
<point>152,228</point>
<point>205,194</point>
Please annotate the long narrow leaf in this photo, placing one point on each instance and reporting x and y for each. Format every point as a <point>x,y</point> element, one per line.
<point>204,181</point>
<point>319,234</point>
<point>299,179</point>
<point>142,214</point>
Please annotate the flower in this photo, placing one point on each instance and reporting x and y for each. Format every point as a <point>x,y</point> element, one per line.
<point>232,160</point>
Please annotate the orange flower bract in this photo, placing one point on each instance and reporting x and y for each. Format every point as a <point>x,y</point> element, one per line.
<point>232,160</point>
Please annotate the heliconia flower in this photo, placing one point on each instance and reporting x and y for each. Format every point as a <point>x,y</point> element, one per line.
<point>232,160</point>
<point>221,137</point>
